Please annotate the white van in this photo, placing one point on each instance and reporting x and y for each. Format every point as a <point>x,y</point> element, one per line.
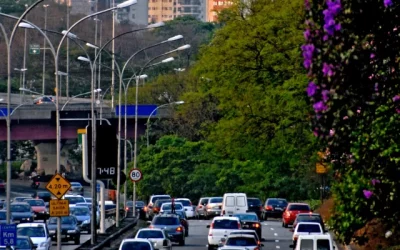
<point>234,203</point>
<point>314,242</point>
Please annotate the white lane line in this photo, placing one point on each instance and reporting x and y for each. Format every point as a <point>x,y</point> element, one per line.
<point>276,241</point>
<point>272,228</point>
<point>278,247</point>
<point>265,224</point>
<point>275,234</point>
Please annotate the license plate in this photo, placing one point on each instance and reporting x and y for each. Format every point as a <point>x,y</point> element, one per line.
<point>245,226</point>
<point>278,208</point>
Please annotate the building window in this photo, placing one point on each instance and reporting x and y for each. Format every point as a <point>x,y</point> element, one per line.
<point>187,9</point>
<point>170,16</point>
<point>170,8</point>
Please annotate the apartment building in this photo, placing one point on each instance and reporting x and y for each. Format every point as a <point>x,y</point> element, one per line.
<point>213,7</point>
<point>165,10</point>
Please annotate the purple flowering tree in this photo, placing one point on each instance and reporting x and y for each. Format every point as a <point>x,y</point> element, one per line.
<point>352,55</point>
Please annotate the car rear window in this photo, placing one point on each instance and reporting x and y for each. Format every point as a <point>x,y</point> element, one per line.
<point>239,241</point>
<point>135,245</point>
<point>305,217</point>
<point>215,200</point>
<point>185,203</point>
<point>308,228</point>
<point>74,200</point>
<point>165,197</point>
<point>253,202</point>
<point>166,221</point>
<point>35,203</point>
<point>306,244</point>
<point>225,224</point>
<point>299,207</point>
<point>323,244</point>
<point>247,233</point>
<point>150,234</point>
<point>20,208</point>
<point>279,202</point>
<point>168,206</point>
<point>203,201</point>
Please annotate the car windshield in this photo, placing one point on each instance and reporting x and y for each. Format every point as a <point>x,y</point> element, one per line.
<point>166,221</point>
<point>145,234</point>
<point>136,245</point>
<point>31,231</point>
<point>282,203</point>
<point>20,208</point>
<point>185,203</point>
<point>239,241</point>
<point>75,199</point>
<point>216,200</point>
<point>225,224</point>
<point>35,203</point>
<point>3,215</point>
<point>299,208</point>
<point>308,228</point>
<point>246,216</point>
<point>80,211</point>
<point>253,202</point>
<point>168,206</point>
<point>23,244</point>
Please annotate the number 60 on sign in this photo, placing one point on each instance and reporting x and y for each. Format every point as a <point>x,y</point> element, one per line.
<point>135,175</point>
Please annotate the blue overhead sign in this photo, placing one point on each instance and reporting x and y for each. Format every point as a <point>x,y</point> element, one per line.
<point>3,112</point>
<point>8,235</point>
<point>143,110</point>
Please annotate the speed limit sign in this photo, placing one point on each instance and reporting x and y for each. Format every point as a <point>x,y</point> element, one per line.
<point>135,175</point>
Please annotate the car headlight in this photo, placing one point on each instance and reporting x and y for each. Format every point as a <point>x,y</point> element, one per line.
<point>86,222</point>
<point>52,231</point>
<point>42,244</point>
<point>71,231</point>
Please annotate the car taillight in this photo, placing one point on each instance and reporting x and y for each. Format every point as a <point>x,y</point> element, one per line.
<point>261,208</point>
<point>238,225</point>
<point>211,227</point>
<point>223,212</point>
<point>269,208</point>
<point>127,208</point>
<point>295,237</point>
<point>256,225</point>
<point>151,226</point>
<point>145,209</point>
<point>179,229</point>
<point>258,242</point>
<point>256,248</point>
<point>200,206</point>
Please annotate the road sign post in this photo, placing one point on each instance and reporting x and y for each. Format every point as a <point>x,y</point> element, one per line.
<point>58,186</point>
<point>8,235</point>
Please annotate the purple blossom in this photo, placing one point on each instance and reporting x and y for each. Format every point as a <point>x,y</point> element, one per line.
<point>307,4</point>
<point>325,95</point>
<point>376,87</point>
<point>396,98</point>
<point>375,181</point>
<point>387,3</point>
<point>327,70</point>
<point>311,89</point>
<point>307,34</point>
<point>320,106</point>
<point>334,8</point>
<point>367,193</point>
<point>315,132</point>
<point>332,132</point>
<point>325,38</point>
<point>397,110</point>
<point>372,56</point>
<point>308,51</point>
<point>345,117</point>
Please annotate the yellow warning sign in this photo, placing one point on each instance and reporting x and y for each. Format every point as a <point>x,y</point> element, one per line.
<point>58,186</point>
<point>59,208</point>
<point>320,168</point>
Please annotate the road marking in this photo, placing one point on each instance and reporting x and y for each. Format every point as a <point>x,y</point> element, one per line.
<point>276,241</point>
<point>278,247</point>
<point>272,228</point>
<point>275,234</point>
<point>265,224</point>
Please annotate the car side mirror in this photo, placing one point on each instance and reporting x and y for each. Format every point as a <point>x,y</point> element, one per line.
<point>208,226</point>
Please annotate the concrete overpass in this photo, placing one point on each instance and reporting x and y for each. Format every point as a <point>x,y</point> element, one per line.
<point>38,123</point>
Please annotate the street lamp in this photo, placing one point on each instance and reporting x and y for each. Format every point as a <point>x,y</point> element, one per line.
<point>21,82</point>
<point>60,73</point>
<point>45,6</point>
<point>86,93</point>
<point>152,112</point>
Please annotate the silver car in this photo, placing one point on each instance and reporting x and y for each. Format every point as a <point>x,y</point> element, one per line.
<point>158,237</point>
<point>214,207</point>
<point>172,225</point>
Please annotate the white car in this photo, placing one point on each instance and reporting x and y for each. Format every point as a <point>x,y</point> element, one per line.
<point>73,199</point>
<point>243,240</point>
<point>306,228</point>
<point>187,205</point>
<point>38,233</point>
<point>157,236</point>
<point>221,227</point>
<point>314,242</point>
<point>168,207</point>
<point>142,244</point>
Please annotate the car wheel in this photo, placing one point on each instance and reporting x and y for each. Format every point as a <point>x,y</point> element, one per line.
<point>77,240</point>
<point>210,247</point>
<point>283,224</point>
<point>286,225</point>
<point>182,242</point>
<point>186,233</point>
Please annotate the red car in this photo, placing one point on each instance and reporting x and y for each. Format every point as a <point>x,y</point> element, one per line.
<point>292,209</point>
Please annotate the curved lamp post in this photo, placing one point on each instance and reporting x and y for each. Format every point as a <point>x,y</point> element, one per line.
<point>152,112</point>
<point>75,96</point>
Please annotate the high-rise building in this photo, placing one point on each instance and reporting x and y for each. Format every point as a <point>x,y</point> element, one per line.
<point>84,7</point>
<point>135,14</point>
<point>165,10</point>
<point>213,7</point>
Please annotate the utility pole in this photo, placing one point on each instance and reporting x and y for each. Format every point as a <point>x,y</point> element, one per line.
<point>113,59</point>
<point>67,69</point>
<point>24,63</point>
<point>44,49</point>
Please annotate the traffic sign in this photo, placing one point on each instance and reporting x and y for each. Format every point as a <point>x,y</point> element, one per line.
<point>58,186</point>
<point>320,168</point>
<point>59,208</point>
<point>135,175</point>
<point>8,234</point>
<point>34,49</point>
